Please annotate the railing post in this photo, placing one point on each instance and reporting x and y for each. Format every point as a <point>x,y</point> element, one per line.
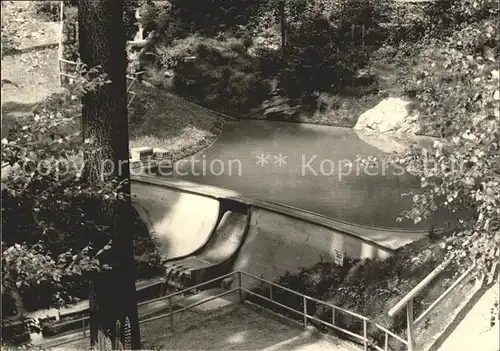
<point>305,312</point>
<point>365,336</point>
<point>386,344</point>
<point>333,315</point>
<point>409,323</point>
<point>270,291</point>
<point>240,292</point>
<point>83,327</point>
<point>171,314</point>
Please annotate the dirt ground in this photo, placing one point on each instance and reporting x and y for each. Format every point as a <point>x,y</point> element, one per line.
<point>157,119</point>
<point>233,328</point>
<point>34,68</point>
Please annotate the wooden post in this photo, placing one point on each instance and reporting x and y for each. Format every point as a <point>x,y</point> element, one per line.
<point>61,42</point>
<point>171,313</point>
<point>270,291</point>
<point>240,292</point>
<point>333,315</point>
<point>283,28</point>
<point>365,336</point>
<point>409,323</point>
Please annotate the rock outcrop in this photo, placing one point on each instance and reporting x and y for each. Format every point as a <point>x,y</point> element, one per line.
<point>391,126</point>
<point>390,115</point>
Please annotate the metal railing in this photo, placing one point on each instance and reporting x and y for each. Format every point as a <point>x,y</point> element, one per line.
<point>407,300</point>
<point>306,317</point>
<point>174,309</point>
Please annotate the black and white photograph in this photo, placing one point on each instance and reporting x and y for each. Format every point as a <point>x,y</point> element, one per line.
<point>250,175</point>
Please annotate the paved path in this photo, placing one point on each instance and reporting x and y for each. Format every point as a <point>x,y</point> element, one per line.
<point>475,331</point>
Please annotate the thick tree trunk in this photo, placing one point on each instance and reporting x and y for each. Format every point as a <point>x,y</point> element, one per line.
<point>104,122</point>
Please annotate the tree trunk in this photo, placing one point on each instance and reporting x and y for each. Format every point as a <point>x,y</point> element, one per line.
<point>281,5</point>
<point>18,301</point>
<point>104,122</point>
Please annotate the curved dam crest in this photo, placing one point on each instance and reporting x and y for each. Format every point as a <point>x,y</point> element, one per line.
<point>273,243</point>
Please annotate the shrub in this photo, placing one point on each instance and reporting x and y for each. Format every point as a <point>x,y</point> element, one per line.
<point>446,16</point>
<point>65,219</point>
<point>327,45</point>
<point>49,10</point>
<point>316,281</point>
<point>223,77</point>
<point>367,287</point>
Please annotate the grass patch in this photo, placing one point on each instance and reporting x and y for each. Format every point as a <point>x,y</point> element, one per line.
<point>160,119</point>
<point>157,119</point>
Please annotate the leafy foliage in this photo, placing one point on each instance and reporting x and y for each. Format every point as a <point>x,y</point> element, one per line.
<point>30,268</point>
<point>328,45</point>
<point>50,10</point>
<point>222,74</point>
<point>48,212</point>
<point>456,88</point>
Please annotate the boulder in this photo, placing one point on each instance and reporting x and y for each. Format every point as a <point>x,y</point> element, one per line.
<point>390,142</point>
<point>390,115</point>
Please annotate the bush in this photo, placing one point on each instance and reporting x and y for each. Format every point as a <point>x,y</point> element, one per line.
<point>66,218</point>
<point>452,78</point>
<point>327,46</point>
<point>317,281</point>
<point>367,287</point>
<point>49,10</point>
<point>446,16</point>
<point>221,76</point>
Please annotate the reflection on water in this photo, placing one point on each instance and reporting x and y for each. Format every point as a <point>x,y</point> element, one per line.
<point>310,167</point>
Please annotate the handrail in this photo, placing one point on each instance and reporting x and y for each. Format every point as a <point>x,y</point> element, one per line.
<point>239,288</point>
<point>166,297</point>
<point>407,300</point>
<point>365,320</point>
<point>408,297</point>
<point>440,298</point>
<point>302,295</point>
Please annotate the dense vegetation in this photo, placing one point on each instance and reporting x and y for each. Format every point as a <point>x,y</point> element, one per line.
<point>52,224</point>
<point>241,67</point>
